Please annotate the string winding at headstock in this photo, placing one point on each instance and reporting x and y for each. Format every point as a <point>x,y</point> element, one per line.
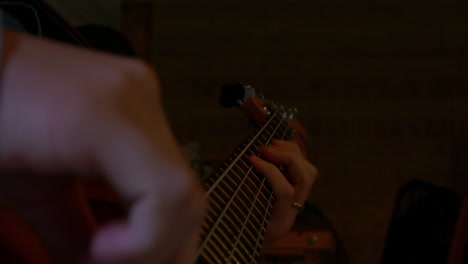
<point>259,109</point>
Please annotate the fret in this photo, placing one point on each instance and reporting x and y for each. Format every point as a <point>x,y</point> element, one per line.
<point>240,210</point>
<point>249,187</point>
<point>266,190</point>
<point>264,138</point>
<point>223,191</point>
<point>220,200</point>
<point>215,248</point>
<point>221,169</point>
<point>245,161</point>
<point>224,184</point>
<point>209,213</point>
<point>245,243</point>
<point>236,166</point>
<point>256,146</point>
<point>227,227</point>
<point>245,222</point>
<point>228,187</point>
<point>263,198</point>
<point>238,220</point>
<point>249,235</point>
<point>237,224</point>
<point>242,164</point>
<point>215,258</point>
<point>237,257</point>
<point>253,203</point>
<point>262,230</point>
<point>251,152</point>
<point>227,242</point>
<point>212,201</point>
<point>238,177</point>
<point>246,198</point>
<point>221,231</point>
<point>254,179</point>
<point>271,128</point>
<point>232,180</point>
<point>210,257</point>
<point>255,182</point>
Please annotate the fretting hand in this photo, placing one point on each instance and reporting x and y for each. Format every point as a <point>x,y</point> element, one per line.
<point>291,185</point>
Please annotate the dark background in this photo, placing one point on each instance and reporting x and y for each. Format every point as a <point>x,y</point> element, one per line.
<point>381,86</point>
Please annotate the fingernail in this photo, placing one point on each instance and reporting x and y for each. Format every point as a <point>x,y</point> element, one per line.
<point>255,158</point>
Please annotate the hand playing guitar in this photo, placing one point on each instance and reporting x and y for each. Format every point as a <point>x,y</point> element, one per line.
<point>291,185</point>
<point>65,109</point>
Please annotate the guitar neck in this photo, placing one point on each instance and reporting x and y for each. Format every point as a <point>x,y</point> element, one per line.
<point>240,201</point>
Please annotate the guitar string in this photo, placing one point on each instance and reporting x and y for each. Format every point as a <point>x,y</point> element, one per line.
<point>254,201</point>
<point>265,220</point>
<point>222,176</point>
<point>268,140</point>
<point>259,236</point>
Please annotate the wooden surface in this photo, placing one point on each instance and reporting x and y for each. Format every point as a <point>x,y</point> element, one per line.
<point>295,243</point>
<point>381,86</point>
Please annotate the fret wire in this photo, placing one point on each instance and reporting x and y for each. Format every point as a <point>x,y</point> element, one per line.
<point>219,218</point>
<point>220,199</point>
<point>214,247</point>
<point>246,206</point>
<point>246,185</point>
<point>267,212</point>
<point>221,242</point>
<point>230,241</point>
<point>255,207</point>
<point>208,215</point>
<point>212,201</point>
<point>234,225</point>
<point>243,245</point>
<point>250,179</point>
<point>238,176</point>
<point>208,255</point>
<point>265,138</point>
<point>241,254</point>
<point>240,220</point>
<point>237,157</point>
<point>224,192</point>
<point>237,166</point>
<point>243,227</point>
<point>243,162</point>
<point>257,250</point>
<point>234,183</point>
<point>256,198</point>
<point>213,255</point>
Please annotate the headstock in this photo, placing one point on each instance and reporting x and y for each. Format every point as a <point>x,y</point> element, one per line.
<point>259,109</point>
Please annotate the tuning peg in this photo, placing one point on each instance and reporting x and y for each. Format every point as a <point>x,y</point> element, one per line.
<point>231,93</point>
<point>292,113</point>
<point>234,94</point>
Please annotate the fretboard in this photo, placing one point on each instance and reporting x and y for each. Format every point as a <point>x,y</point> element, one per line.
<point>239,201</point>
